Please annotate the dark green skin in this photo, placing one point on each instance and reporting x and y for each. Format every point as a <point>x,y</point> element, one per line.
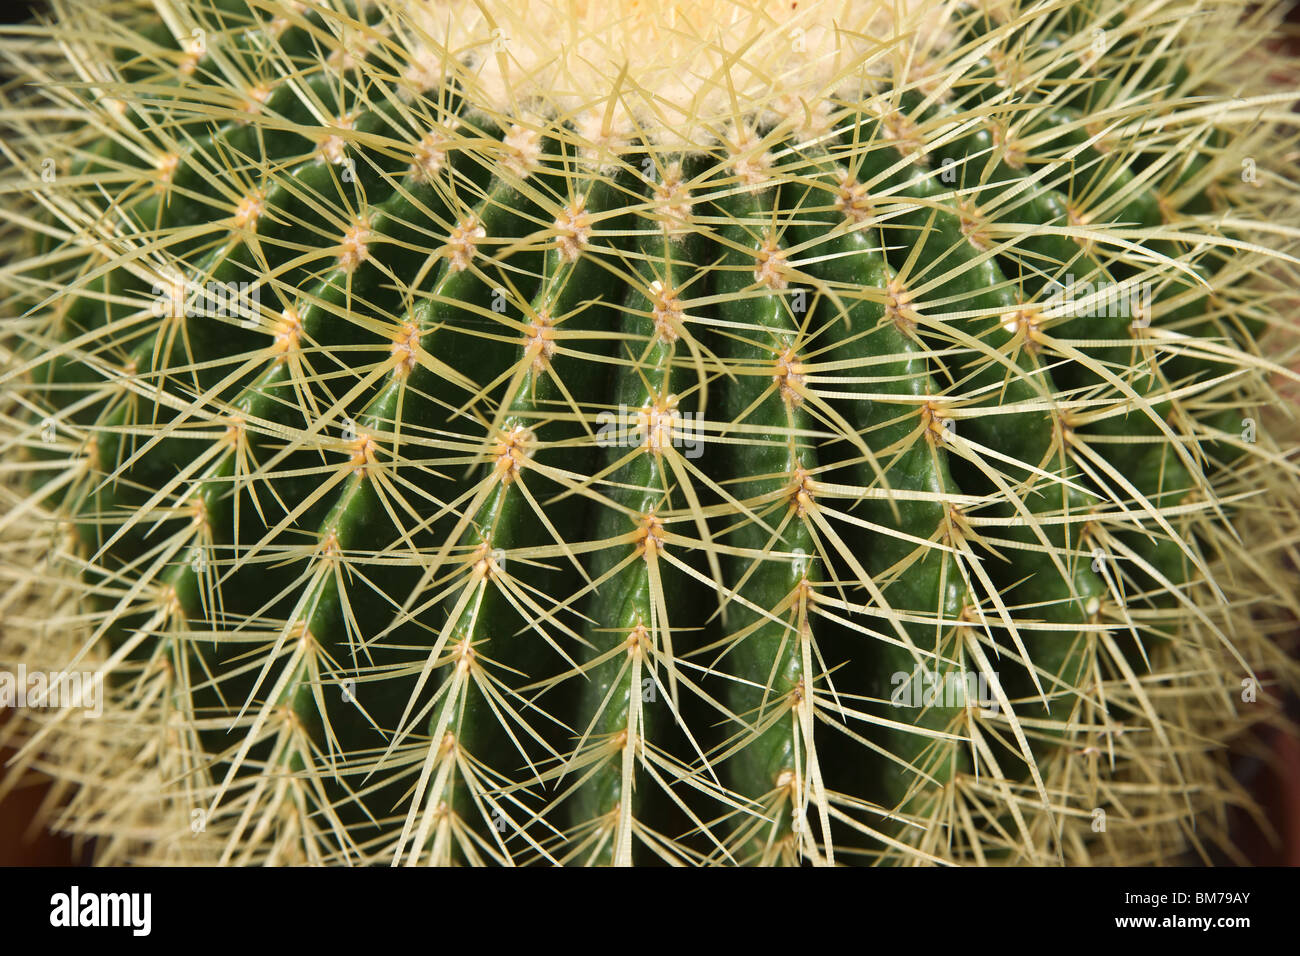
<point>505,519</point>
<point>770,656</point>
<point>930,584</point>
<point>608,355</point>
<point>1158,473</point>
<point>1159,561</point>
<point>1026,437</point>
<point>615,687</point>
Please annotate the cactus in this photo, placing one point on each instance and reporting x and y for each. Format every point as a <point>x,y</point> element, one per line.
<point>701,433</point>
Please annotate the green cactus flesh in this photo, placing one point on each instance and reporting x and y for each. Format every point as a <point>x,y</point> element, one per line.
<point>781,496</point>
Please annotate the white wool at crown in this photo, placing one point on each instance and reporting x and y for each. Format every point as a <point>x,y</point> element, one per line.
<point>684,72</point>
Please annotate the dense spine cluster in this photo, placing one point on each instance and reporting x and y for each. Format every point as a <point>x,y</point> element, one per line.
<point>884,474</point>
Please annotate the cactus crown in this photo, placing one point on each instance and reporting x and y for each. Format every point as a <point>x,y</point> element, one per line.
<point>716,432</point>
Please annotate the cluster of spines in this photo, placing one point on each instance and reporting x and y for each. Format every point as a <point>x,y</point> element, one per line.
<point>801,520</point>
